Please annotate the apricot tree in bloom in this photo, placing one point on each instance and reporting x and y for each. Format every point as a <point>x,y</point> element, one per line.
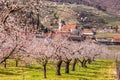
<point>63,51</point>
<point>13,36</point>
<point>68,51</point>
<point>41,52</point>
<point>89,51</point>
<point>57,45</point>
<point>7,46</point>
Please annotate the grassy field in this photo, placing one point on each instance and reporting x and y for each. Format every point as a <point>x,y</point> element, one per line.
<point>106,35</point>
<point>99,70</point>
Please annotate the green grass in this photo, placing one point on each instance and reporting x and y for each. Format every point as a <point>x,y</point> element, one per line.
<point>99,70</point>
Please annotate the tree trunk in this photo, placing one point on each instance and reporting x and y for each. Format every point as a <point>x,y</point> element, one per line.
<point>59,63</point>
<point>8,55</point>
<point>89,61</point>
<point>45,70</point>
<point>93,59</point>
<point>5,64</point>
<point>38,23</point>
<point>83,63</point>
<point>33,22</point>
<point>16,63</point>
<point>67,66</point>
<point>74,64</point>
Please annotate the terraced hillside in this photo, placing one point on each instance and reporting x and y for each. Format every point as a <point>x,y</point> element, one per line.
<point>105,5</point>
<point>49,13</point>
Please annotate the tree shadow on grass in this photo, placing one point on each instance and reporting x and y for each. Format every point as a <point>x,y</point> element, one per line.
<point>99,65</point>
<point>74,76</point>
<point>95,68</point>
<point>102,62</point>
<point>82,75</point>
<point>8,73</point>
<point>33,68</point>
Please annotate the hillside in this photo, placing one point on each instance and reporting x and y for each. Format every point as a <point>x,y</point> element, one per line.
<point>48,13</point>
<point>105,5</point>
<point>85,15</point>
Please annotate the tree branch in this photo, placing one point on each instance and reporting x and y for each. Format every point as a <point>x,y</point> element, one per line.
<point>8,55</point>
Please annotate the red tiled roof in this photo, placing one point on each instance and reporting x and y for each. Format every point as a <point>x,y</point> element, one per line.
<point>116,38</point>
<point>118,29</point>
<point>68,27</point>
<point>62,34</point>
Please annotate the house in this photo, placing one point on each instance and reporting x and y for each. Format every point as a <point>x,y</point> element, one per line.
<point>118,30</point>
<point>68,27</point>
<point>69,31</point>
<point>116,39</point>
<point>87,32</point>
